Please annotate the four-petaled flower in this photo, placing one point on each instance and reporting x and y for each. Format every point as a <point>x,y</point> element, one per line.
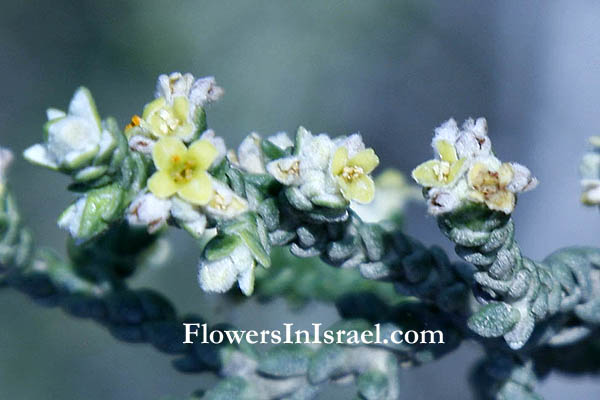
<point>162,119</point>
<point>324,172</point>
<point>468,171</point>
<point>352,173</point>
<point>176,111</point>
<point>442,172</point>
<point>490,186</point>
<point>182,170</point>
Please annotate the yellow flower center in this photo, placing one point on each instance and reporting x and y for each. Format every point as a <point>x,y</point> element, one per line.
<point>165,122</point>
<point>219,202</point>
<point>182,172</point>
<point>490,186</point>
<point>489,182</point>
<point>227,204</point>
<point>294,169</point>
<point>165,119</point>
<point>442,171</point>
<point>352,173</point>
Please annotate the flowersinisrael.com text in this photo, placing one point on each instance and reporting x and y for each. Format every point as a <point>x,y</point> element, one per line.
<point>289,335</point>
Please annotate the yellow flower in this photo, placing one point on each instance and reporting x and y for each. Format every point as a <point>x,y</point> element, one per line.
<point>166,120</point>
<point>489,186</point>
<point>442,172</point>
<point>182,170</point>
<point>352,174</point>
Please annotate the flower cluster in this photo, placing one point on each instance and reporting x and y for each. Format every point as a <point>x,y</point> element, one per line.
<point>167,168</point>
<point>466,170</point>
<point>314,171</point>
<point>326,172</point>
<point>315,196</point>
<point>171,132</point>
<point>94,153</point>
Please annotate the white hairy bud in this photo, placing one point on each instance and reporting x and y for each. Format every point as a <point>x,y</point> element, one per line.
<point>150,211</point>
<point>220,275</point>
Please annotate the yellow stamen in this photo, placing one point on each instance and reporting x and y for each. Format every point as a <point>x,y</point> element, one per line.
<point>184,174</point>
<point>351,173</point>
<point>135,121</point>
<point>442,170</point>
<point>219,202</point>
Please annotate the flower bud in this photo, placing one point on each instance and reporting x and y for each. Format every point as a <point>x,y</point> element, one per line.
<point>150,211</point>
<point>74,139</point>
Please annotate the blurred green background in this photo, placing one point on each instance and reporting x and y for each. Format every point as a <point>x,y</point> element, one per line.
<point>392,70</point>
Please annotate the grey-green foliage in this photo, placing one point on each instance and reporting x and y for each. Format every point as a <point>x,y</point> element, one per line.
<point>520,292</point>
<point>340,238</point>
<point>300,280</point>
<point>287,199</point>
<point>299,372</point>
<point>92,284</point>
<point>104,253</point>
<point>105,174</point>
<point>15,243</point>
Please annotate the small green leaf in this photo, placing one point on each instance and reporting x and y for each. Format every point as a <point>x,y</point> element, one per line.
<point>200,121</point>
<point>329,201</point>
<point>494,320</point>
<point>297,199</point>
<point>90,173</point>
<point>372,236</point>
<point>102,207</point>
<point>302,135</point>
<point>263,182</point>
<point>253,243</point>
<point>221,246</point>
<point>269,213</point>
<point>272,151</point>
<point>236,179</point>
